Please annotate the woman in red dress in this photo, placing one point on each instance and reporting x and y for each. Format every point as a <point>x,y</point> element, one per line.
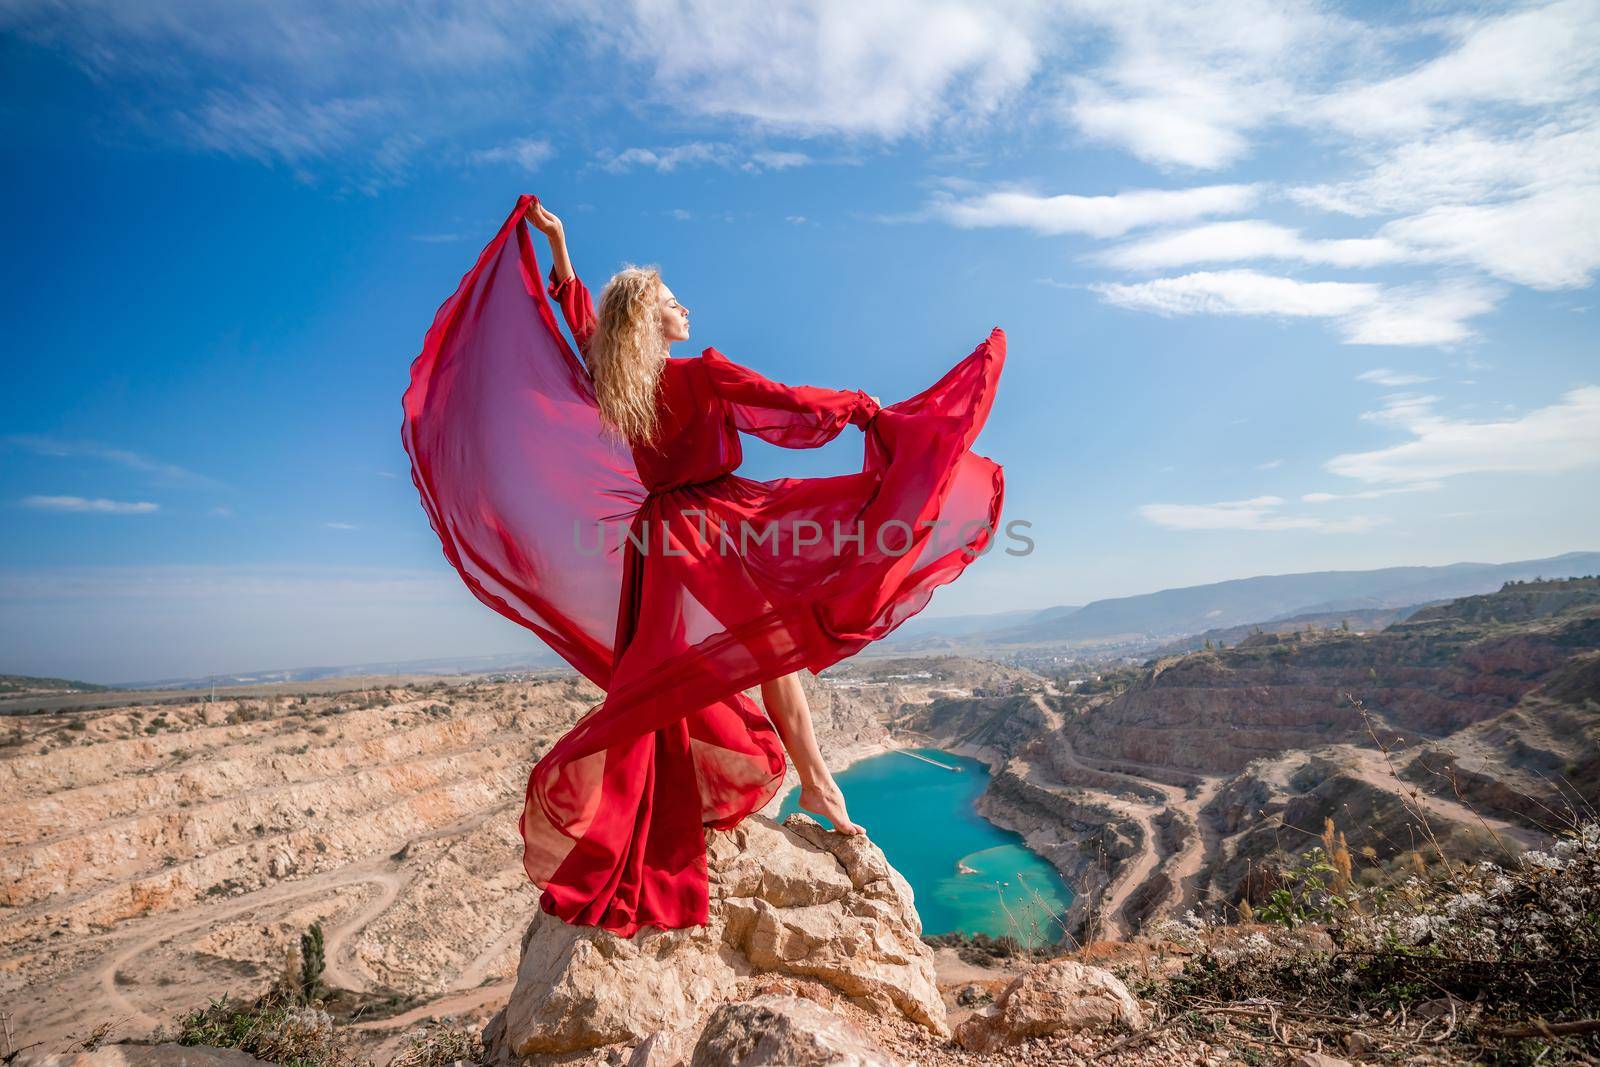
<point>597,503</point>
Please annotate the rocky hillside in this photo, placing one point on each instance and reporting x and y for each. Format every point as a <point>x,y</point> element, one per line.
<point>154,858</point>
<point>1471,725</point>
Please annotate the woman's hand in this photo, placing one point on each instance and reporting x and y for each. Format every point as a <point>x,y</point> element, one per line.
<point>540,218</point>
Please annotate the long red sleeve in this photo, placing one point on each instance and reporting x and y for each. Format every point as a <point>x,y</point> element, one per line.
<point>576,307</point>
<point>793,416</point>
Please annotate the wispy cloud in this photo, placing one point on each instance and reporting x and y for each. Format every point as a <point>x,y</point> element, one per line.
<point>525,153</point>
<point>1391,378</point>
<point>1371,494</point>
<point>1560,437</point>
<point>1256,513</point>
<point>1233,242</point>
<point>701,153</point>
<point>158,471</point>
<point>885,70</point>
<point>1109,215</point>
<point>90,505</point>
<point>1190,85</point>
<point>261,123</point>
<point>1540,55</point>
<point>1365,312</point>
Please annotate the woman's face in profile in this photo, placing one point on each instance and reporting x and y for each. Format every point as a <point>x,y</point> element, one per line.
<point>674,317</point>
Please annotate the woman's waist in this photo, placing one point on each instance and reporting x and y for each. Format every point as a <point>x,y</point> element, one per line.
<point>656,488</point>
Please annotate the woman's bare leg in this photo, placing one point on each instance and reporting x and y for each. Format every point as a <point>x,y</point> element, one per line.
<point>786,704</point>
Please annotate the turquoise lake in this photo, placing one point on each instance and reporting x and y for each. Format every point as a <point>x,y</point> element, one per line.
<point>921,815</point>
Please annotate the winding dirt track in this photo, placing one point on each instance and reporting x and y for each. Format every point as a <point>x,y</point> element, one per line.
<point>1184,867</point>
<point>383,873</point>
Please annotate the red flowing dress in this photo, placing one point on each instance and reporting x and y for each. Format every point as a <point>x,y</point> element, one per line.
<point>665,577</point>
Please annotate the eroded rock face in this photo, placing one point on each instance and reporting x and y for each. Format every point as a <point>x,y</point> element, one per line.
<point>1062,995</point>
<point>790,899</point>
<point>783,1031</point>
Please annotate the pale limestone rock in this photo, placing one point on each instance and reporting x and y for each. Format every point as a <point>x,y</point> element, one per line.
<point>169,1054</point>
<point>1062,995</point>
<point>664,1048</point>
<point>792,899</point>
<point>777,1030</point>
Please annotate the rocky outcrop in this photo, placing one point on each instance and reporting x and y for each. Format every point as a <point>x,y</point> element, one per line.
<point>774,1030</point>
<point>1056,997</point>
<point>790,899</point>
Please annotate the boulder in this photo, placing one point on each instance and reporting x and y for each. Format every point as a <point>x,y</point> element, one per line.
<point>1062,995</point>
<point>791,899</point>
<point>776,1030</point>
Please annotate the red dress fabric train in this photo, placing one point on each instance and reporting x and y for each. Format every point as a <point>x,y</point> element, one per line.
<point>665,577</point>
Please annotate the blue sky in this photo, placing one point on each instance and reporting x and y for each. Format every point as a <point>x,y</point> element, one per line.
<point>1287,286</point>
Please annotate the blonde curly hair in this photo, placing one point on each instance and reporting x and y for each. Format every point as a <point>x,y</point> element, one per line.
<point>627,352</point>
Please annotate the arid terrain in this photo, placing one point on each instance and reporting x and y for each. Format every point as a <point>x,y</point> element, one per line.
<point>156,857</point>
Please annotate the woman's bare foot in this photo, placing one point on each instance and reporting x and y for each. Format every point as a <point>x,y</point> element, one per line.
<point>827,799</point>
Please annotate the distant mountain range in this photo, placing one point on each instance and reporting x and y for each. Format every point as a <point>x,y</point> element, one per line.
<point>1174,613</point>
<point>537,658</point>
<point>1167,615</point>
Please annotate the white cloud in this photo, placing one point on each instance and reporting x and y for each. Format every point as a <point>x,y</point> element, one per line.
<point>1365,312</point>
<point>1186,85</point>
<point>1391,378</point>
<point>1547,241</point>
<point>1256,513</point>
<point>773,159</point>
<point>1371,494</point>
<point>1240,292</point>
<point>701,153</point>
<point>94,505</point>
<point>1464,165</point>
<point>1563,436</point>
<point>1541,55</point>
<point>885,69</point>
<point>1430,314</point>
<point>1232,242</point>
<point>528,153</point>
<point>1190,85</point>
<point>1097,216</point>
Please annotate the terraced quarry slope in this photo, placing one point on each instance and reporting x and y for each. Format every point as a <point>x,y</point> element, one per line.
<point>152,858</point>
<point>1214,764</point>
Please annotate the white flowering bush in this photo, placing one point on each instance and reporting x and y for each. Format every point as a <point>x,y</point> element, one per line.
<point>1499,963</point>
<point>1544,908</point>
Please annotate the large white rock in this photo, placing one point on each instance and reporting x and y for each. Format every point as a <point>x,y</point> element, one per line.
<point>775,1030</point>
<point>790,899</point>
<point>1062,995</point>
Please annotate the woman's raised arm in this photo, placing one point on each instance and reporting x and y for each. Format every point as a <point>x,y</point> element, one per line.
<point>793,416</point>
<point>565,287</point>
